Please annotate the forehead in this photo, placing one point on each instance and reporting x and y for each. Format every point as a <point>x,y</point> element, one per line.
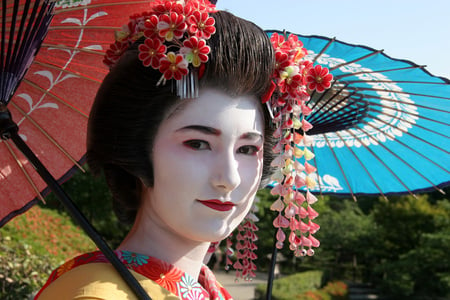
<point>217,109</point>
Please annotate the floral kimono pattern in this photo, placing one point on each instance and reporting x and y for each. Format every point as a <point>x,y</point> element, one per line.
<point>166,275</point>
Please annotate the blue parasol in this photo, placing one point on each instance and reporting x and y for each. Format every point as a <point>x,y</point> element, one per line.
<point>383,126</point>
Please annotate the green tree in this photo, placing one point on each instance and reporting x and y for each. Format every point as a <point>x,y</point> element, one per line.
<point>413,239</point>
<point>92,196</point>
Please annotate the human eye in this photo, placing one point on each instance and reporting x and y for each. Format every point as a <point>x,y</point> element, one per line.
<point>248,150</point>
<point>197,144</point>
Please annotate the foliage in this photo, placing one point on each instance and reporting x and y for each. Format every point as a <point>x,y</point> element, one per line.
<point>413,242</point>
<point>337,289</point>
<point>92,196</point>
<point>400,246</point>
<point>334,290</point>
<point>31,246</point>
<point>288,287</point>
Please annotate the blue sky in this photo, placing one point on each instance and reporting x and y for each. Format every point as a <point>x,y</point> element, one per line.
<point>408,29</point>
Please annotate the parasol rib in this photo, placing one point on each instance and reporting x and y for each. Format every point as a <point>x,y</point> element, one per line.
<point>409,147</point>
<point>414,136</point>
<point>393,81</point>
<point>356,60</point>
<point>410,113</point>
<point>2,52</point>
<point>382,162</point>
<point>324,49</point>
<point>370,109</point>
<point>56,98</point>
<point>336,77</point>
<point>24,171</point>
<point>362,165</point>
<point>337,93</point>
<point>400,102</point>
<point>325,112</point>
<point>46,65</point>
<point>397,92</point>
<point>48,136</point>
<point>331,113</point>
<point>402,160</point>
<point>340,167</point>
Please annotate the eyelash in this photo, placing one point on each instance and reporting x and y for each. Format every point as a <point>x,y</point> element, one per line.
<point>197,145</point>
<point>191,143</point>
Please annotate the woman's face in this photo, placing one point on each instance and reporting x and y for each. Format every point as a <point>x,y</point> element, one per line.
<point>207,158</point>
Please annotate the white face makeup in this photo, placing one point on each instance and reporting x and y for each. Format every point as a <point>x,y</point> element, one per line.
<point>207,159</point>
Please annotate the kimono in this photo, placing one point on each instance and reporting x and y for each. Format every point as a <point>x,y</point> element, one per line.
<point>91,276</point>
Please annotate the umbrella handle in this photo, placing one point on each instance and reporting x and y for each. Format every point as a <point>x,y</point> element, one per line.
<point>9,130</point>
<point>273,262</point>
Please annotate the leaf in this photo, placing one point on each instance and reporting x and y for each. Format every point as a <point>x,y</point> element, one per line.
<point>27,98</point>
<point>93,47</point>
<point>46,74</point>
<point>48,105</point>
<point>97,15</point>
<point>67,77</point>
<point>72,20</point>
<point>64,50</point>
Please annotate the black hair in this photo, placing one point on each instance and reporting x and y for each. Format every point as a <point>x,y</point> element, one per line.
<point>129,106</point>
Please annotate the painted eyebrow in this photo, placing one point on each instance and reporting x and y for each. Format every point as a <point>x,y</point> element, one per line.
<point>216,132</point>
<point>252,136</point>
<point>203,129</point>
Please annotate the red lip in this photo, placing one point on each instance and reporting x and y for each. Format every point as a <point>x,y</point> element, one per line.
<point>217,204</point>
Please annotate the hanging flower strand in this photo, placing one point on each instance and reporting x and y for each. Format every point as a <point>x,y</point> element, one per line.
<point>293,81</point>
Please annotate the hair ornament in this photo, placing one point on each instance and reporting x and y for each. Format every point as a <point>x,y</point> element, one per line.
<point>294,79</point>
<point>175,35</point>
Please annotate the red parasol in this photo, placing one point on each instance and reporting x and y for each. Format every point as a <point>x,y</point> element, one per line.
<point>52,103</point>
<point>43,115</point>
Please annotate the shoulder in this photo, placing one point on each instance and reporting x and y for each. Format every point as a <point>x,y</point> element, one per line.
<point>98,281</point>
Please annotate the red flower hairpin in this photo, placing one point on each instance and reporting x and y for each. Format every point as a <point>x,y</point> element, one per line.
<point>175,35</point>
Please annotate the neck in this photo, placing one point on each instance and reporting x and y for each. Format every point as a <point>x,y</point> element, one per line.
<point>150,238</point>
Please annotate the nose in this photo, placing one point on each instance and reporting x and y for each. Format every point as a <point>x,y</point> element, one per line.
<point>226,174</point>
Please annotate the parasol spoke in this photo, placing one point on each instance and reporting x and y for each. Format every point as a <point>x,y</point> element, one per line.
<point>24,171</point>
<point>331,41</point>
<point>400,102</point>
<point>340,167</point>
<point>409,147</point>
<point>370,109</point>
<point>62,101</point>
<point>23,43</point>
<point>393,81</point>
<point>356,60</point>
<point>362,165</point>
<point>319,99</point>
<point>334,111</point>
<point>414,136</point>
<point>403,161</point>
<point>397,92</point>
<point>340,76</point>
<point>382,162</point>
<point>48,136</point>
<point>411,114</point>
